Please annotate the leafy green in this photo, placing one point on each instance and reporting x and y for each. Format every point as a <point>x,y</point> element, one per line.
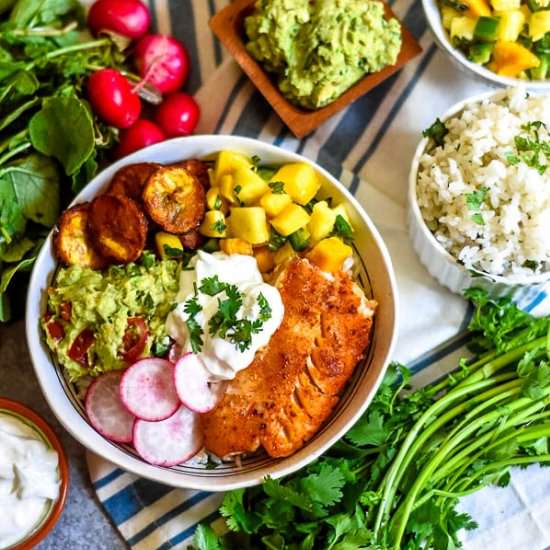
<point>205,538</point>
<point>436,132</point>
<point>531,148</point>
<point>277,187</point>
<point>64,129</point>
<point>474,201</point>
<point>395,480</point>
<point>343,229</point>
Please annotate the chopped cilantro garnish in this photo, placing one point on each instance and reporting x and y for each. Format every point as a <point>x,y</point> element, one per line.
<point>265,308</point>
<point>277,187</point>
<point>237,189</point>
<point>148,259</point>
<point>173,252</point>
<point>212,286</point>
<point>343,229</point>
<point>275,241</point>
<point>531,264</point>
<point>218,203</point>
<point>531,149</point>
<point>437,132</point>
<point>192,308</point>
<point>256,160</point>
<point>219,226</point>
<point>474,201</point>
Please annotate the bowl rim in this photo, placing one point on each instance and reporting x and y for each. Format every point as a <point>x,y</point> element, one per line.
<point>56,510</point>
<point>91,439</point>
<point>433,15</point>
<point>414,207</point>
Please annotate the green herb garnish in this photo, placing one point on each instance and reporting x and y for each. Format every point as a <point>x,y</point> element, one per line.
<point>276,241</point>
<point>277,187</point>
<point>437,132</point>
<point>531,149</point>
<point>474,201</point>
<point>218,203</point>
<point>192,307</point>
<point>218,226</point>
<point>343,229</point>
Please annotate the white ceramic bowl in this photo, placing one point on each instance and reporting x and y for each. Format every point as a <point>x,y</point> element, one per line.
<point>378,279</point>
<point>433,15</point>
<point>437,260</point>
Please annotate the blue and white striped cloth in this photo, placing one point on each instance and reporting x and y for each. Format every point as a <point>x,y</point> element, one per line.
<point>372,141</point>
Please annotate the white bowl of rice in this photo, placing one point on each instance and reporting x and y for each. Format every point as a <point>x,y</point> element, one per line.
<point>479,195</point>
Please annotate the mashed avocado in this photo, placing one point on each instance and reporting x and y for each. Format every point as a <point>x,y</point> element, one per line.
<point>103,302</point>
<point>320,48</point>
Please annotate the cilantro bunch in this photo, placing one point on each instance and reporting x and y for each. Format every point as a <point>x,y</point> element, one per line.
<point>50,141</point>
<point>394,481</point>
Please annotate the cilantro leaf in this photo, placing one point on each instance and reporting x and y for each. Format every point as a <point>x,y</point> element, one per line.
<point>211,286</point>
<point>325,487</point>
<point>370,430</point>
<point>437,132</point>
<point>277,187</point>
<point>205,538</point>
<point>265,308</point>
<point>218,226</point>
<point>237,517</point>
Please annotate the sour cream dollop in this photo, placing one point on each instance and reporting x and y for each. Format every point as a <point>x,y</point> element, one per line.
<point>221,357</point>
<point>29,479</point>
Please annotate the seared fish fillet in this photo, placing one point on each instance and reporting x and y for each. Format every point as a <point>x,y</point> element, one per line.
<point>282,399</point>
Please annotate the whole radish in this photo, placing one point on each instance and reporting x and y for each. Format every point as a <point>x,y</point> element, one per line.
<point>113,99</point>
<point>162,61</point>
<point>178,115</point>
<point>142,134</point>
<point>129,18</point>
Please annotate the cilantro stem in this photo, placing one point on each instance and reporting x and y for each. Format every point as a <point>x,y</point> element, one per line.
<point>78,47</point>
<point>46,31</point>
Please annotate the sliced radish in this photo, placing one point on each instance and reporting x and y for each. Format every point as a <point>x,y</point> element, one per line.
<point>105,410</point>
<point>171,441</point>
<point>192,386</point>
<point>147,389</point>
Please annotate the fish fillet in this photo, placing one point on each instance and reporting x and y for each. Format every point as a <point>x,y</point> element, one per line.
<point>282,399</point>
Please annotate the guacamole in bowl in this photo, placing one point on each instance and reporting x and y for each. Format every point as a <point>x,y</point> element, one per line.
<point>320,49</point>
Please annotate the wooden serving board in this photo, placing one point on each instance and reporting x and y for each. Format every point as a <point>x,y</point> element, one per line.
<point>227,25</point>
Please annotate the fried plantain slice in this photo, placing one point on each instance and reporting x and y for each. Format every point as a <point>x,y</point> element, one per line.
<point>118,227</point>
<point>175,199</point>
<point>197,168</point>
<point>130,180</point>
<point>72,243</point>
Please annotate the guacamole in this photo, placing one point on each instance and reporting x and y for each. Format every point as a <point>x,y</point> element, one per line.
<point>321,48</point>
<point>101,304</point>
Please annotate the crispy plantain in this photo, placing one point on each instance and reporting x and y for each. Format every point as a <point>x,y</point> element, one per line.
<point>175,199</point>
<point>72,242</point>
<point>118,227</point>
<point>197,168</point>
<point>130,180</point>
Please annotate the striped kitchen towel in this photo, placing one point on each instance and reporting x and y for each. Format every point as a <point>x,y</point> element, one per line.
<point>369,147</point>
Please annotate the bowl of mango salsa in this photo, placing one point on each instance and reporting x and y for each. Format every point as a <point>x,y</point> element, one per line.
<point>505,42</point>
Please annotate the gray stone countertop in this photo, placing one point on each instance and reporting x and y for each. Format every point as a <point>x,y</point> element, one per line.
<point>83,524</point>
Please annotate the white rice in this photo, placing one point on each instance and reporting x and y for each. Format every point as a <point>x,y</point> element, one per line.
<point>514,239</point>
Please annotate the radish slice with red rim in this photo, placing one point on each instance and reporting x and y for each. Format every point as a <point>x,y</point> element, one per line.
<point>193,387</point>
<point>171,441</point>
<point>147,389</point>
<point>105,410</point>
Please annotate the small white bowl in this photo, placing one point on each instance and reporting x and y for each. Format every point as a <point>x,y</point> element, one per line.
<point>378,278</point>
<point>438,261</point>
<point>433,15</point>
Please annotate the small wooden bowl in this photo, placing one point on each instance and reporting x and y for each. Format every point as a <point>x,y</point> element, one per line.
<point>228,27</point>
<point>43,428</point>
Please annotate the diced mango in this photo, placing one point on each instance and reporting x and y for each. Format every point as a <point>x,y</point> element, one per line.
<point>165,243</point>
<point>524,8</point>
<point>236,246</point>
<point>248,186</point>
<point>284,254</point>
<point>510,25</point>
<point>321,221</point>
<point>227,188</point>
<point>227,162</point>
<point>300,181</point>
<point>478,8</point>
<point>463,27</point>
<point>511,58</point>
<point>539,24</point>
<point>329,254</point>
<point>214,224</point>
<point>214,199</point>
<point>274,203</point>
<point>505,5</point>
<point>292,218</point>
<point>264,258</point>
<point>447,15</point>
<point>341,210</point>
<point>250,224</point>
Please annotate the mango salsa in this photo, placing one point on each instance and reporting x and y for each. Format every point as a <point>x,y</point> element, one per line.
<point>227,162</point>
<point>264,258</point>
<point>166,242</point>
<point>248,186</point>
<point>300,181</point>
<point>275,203</point>
<point>213,224</point>
<point>329,254</point>
<point>250,224</point>
<point>292,218</point>
<point>322,221</point>
<point>236,246</point>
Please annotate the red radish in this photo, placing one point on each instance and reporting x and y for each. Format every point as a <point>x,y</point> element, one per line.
<point>113,99</point>
<point>105,410</point>
<point>171,441</point>
<point>79,348</point>
<point>129,18</point>
<point>192,386</point>
<point>147,389</point>
<point>178,115</point>
<point>162,61</point>
<point>142,134</point>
